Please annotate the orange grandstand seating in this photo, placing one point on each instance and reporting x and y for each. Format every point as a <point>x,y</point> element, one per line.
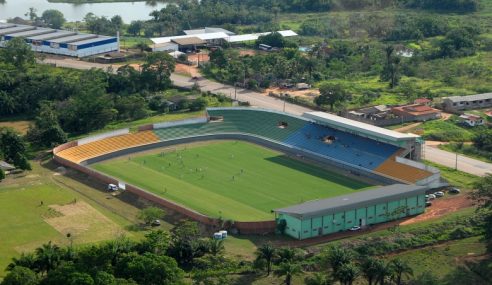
<point>401,171</point>
<point>83,152</point>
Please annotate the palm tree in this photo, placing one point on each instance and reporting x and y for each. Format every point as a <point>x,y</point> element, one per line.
<point>371,268</point>
<point>48,256</point>
<point>317,279</point>
<point>216,246</point>
<point>384,271</point>
<point>27,260</point>
<point>266,252</point>
<point>337,257</point>
<point>288,269</point>
<point>285,254</point>
<point>400,269</point>
<point>347,273</point>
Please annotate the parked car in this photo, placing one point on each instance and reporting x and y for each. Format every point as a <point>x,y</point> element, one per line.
<point>454,190</point>
<point>355,228</point>
<point>156,223</point>
<point>112,188</point>
<point>439,194</point>
<point>428,203</point>
<point>432,196</point>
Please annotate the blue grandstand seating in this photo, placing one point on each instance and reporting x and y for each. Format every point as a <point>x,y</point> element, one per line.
<point>344,146</point>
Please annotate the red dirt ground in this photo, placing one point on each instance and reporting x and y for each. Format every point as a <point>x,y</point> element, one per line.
<point>441,207</point>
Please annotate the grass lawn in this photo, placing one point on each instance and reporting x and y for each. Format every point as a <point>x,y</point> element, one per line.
<point>26,224</point>
<point>455,177</point>
<point>446,257</point>
<point>235,180</point>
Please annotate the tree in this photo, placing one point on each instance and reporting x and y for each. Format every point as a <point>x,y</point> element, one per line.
<point>331,94</point>
<point>27,260</point>
<point>53,18</point>
<point>13,149</point>
<point>48,256</point>
<point>18,53</point>
<point>156,242</point>
<point>337,256</point>
<point>157,69</point>
<point>371,269</point>
<point>216,246</point>
<point>266,253</point>
<point>150,214</point>
<point>288,269</point>
<point>347,273</point>
<point>135,27</point>
<point>391,70</point>
<point>149,268</point>
<point>400,269</point>
<point>46,131</point>
<point>20,276</point>
<point>185,243</point>
<point>483,140</point>
<point>90,108</point>
<point>482,195</point>
<point>274,39</point>
<point>317,278</point>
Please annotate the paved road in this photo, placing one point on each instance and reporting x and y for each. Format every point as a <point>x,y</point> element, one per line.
<point>465,164</point>
<point>243,95</point>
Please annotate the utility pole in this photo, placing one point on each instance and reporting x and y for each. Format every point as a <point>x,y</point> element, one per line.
<point>284,105</point>
<point>456,162</point>
<point>235,92</point>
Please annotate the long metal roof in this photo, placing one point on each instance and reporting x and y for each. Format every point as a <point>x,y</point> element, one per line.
<point>89,41</point>
<point>57,34</point>
<point>16,29</point>
<point>204,37</point>
<point>337,121</point>
<point>469,98</point>
<point>74,38</point>
<point>38,31</point>
<point>352,201</point>
<point>6,25</point>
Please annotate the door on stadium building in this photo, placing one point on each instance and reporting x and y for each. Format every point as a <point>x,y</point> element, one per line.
<point>362,222</point>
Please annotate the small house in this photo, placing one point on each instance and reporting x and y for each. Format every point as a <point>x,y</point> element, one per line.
<point>471,120</point>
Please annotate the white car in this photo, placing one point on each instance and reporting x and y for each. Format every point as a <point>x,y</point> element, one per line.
<point>355,228</point>
<point>439,194</point>
<point>432,196</point>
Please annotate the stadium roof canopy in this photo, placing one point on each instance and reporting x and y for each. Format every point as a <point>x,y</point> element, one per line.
<point>253,37</point>
<point>363,128</point>
<point>352,201</point>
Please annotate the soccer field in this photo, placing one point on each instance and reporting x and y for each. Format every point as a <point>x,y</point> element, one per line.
<point>234,180</point>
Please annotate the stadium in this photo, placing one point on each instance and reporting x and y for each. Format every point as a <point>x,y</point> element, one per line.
<point>264,171</point>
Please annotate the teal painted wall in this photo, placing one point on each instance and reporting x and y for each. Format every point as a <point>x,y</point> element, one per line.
<point>328,224</point>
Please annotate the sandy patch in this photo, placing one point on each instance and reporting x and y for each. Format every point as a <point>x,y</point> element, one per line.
<point>83,222</point>
<point>20,126</point>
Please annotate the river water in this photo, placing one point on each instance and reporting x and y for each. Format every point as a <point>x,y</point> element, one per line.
<point>129,11</point>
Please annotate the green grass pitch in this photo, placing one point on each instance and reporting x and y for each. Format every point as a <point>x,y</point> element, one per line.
<point>234,180</point>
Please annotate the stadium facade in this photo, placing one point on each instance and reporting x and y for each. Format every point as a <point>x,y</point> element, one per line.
<point>385,156</point>
<point>327,216</point>
<point>59,42</point>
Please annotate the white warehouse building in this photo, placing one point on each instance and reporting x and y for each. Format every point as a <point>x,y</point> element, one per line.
<point>59,42</point>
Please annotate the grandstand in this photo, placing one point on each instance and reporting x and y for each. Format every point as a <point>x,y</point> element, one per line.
<point>369,150</point>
